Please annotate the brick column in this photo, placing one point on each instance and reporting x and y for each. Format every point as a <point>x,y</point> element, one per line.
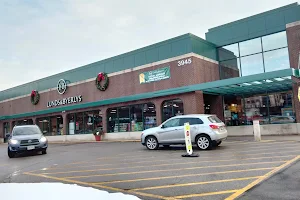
<point>158,109</point>
<point>193,103</point>
<point>104,119</point>
<point>65,124</point>
<point>216,107</point>
<point>34,120</point>
<point>1,130</point>
<point>293,38</point>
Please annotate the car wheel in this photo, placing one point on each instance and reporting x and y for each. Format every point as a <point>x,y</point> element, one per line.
<point>151,143</point>
<point>204,142</point>
<point>44,151</point>
<point>10,153</point>
<point>218,143</point>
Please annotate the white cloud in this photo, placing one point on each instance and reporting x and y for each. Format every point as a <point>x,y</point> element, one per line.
<point>47,37</point>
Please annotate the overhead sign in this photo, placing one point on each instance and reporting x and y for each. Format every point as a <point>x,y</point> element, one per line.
<point>155,75</point>
<point>61,86</point>
<point>64,101</point>
<point>188,142</point>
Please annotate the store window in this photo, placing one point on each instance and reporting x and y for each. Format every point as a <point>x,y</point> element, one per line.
<point>252,64</point>
<point>229,52</point>
<point>51,126</point>
<point>276,60</point>
<point>274,41</point>
<point>171,108</point>
<point>259,55</point>
<point>22,122</point>
<point>281,108</point>
<point>230,68</point>
<point>131,118</point>
<point>84,122</point>
<point>44,124</point>
<point>275,108</point>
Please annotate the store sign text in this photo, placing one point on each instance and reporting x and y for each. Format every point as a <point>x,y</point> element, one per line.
<point>155,75</point>
<point>184,62</point>
<point>64,101</point>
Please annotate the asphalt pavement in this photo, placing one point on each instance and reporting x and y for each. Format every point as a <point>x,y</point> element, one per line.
<point>239,168</point>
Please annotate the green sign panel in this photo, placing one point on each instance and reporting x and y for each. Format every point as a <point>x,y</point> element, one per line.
<point>155,75</point>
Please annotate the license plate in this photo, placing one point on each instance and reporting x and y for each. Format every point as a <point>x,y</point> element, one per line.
<point>30,147</point>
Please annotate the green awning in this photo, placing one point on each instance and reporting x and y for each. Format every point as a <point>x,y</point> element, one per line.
<point>255,84</point>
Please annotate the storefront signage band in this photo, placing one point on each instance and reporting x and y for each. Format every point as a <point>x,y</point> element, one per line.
<point>155,75</point>
<point>64,101</point>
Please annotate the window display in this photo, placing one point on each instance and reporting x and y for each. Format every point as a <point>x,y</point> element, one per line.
<point>131,118</point>
<point>172,108</point>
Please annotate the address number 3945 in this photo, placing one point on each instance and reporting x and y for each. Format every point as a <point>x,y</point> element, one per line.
<point>184,62</point>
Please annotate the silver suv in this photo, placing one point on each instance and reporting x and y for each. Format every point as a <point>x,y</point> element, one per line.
<point>206,131</point>
<point>26,138</point>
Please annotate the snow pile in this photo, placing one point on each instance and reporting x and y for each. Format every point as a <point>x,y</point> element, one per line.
<point>56,191</point>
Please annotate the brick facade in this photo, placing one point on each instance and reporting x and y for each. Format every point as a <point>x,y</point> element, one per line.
<point>124,84</point>
<point>293,38</point>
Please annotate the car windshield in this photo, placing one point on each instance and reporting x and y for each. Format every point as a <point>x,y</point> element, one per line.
<point>214,119</point>
<point>30,130</point>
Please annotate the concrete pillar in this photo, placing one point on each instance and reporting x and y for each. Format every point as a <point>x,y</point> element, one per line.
<point>158,110</point>
<point>65,124</point>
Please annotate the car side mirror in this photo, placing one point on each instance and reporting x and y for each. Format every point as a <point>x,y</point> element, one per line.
<point>162,126</point>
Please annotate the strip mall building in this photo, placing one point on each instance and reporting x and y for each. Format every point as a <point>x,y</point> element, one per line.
<point>244,70</point>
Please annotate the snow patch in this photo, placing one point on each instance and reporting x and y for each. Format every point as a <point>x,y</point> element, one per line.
<point>57,191</point>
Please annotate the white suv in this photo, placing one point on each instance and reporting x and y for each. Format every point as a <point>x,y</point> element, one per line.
<point>206,131</point>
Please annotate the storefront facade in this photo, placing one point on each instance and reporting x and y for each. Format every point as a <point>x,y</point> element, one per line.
<point>240,78</point>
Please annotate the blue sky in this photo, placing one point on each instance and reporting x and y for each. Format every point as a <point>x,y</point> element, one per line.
<point>43,37</point>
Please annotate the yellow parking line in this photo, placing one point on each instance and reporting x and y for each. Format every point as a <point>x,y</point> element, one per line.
<point>261,179</point>
<point>186,175</point>
<point>177,169</point>
<point>151,161</point>
<point>166,164</point>
<point>97,186</point>
<point>197,183</point>
<point>141,159</point>
<point>263,143</point>
<point>105,158</point>
<point>204,194</point>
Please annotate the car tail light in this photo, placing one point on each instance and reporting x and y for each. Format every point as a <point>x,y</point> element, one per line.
<point>214,126</point>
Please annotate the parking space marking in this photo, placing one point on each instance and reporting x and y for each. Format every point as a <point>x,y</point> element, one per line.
<point>177,169</point>
<point>166,164</point>
<point>196,183</point>
<point>98,186</point>
<point>262,143</point>
<point>150,161</point>
<point>204,194</point>
<point>103,158</point>
<point>261,179</point>
<point>186,175</point>
<point>146,159</point>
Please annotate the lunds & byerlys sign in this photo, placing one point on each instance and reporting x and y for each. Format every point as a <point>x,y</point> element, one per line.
<point>61,89</point>
<point>64,101</point>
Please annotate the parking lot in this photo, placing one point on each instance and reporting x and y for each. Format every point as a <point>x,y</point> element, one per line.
<point>128,167</point>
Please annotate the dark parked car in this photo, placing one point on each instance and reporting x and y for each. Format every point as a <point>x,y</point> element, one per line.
<point>26,138</point>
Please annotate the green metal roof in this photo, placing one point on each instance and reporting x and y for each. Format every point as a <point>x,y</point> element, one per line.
<point>265,23</point>
<point>163,50</point>
<point>248,85</point>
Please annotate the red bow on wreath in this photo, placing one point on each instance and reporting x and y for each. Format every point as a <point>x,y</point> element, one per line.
<point>33,93</point>
<point>101,77</point>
